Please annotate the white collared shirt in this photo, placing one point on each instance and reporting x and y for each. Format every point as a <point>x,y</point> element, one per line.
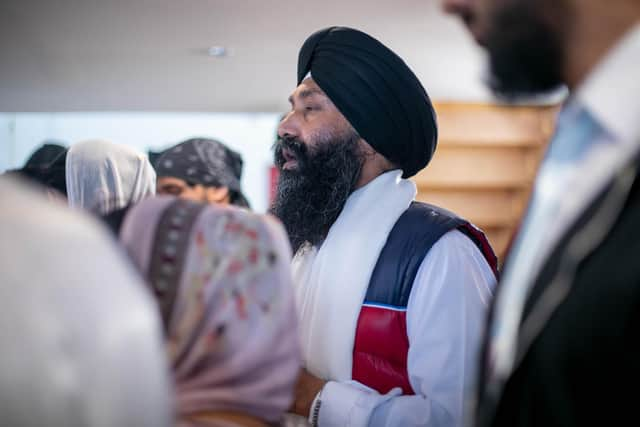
<point>446,315</point>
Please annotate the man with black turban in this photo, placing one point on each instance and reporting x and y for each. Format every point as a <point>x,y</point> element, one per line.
<point>203,170</point>
<point>392,293</point>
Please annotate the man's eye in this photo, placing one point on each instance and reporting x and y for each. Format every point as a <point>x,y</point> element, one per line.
<point>172,190</point>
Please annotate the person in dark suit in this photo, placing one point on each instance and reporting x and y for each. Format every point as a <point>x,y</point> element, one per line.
<point>563,342</point>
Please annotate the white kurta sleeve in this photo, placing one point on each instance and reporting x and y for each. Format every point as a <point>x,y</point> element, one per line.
<point>445,320</point>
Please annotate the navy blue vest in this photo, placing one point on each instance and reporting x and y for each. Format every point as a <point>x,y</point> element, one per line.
<point>381,343</point>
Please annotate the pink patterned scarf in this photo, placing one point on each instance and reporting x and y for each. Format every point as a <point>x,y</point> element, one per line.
<point>223,281</point>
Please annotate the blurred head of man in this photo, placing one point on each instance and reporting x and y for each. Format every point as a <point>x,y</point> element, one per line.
<point>525,40</point>
<point>536,46</point>
<point>202,170</point>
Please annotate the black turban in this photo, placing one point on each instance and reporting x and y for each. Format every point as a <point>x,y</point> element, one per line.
<point>377,93</point>
<point>206,162</point>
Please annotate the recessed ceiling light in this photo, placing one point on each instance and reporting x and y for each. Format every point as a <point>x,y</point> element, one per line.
<point>218,51</point>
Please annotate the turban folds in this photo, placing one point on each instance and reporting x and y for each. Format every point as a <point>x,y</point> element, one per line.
<point>377,93</point>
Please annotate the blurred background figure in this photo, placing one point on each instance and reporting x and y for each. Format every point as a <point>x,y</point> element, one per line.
<point>103,177</point>
<point>202,170</point>
<point>563,344</point>
<point>81,338</point>
<point>46,166</point>
<point>45,154</point>
<point>223,283</point>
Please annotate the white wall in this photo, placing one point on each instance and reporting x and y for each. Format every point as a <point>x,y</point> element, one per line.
<point>252,135</point>
<point>6,141</point>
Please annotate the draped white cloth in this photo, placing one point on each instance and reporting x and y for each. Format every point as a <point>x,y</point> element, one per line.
<point>81,339</point>
<point>103,177</point>
<point>445,314</point>
<point>330,291</point>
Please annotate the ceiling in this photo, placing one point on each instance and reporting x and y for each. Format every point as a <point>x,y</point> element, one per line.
<point>151,55</point>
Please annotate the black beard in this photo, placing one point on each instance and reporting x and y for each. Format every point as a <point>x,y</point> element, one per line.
<point>525,51</point>
<point>310,198</point>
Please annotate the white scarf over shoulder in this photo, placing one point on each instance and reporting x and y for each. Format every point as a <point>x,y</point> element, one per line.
<point>331,281</point>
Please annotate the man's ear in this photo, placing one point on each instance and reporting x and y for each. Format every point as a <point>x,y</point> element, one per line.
<point>217,195</point>
<point>378,159</point>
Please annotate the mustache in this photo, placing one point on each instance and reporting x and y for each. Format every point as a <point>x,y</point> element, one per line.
<point>294,146</point>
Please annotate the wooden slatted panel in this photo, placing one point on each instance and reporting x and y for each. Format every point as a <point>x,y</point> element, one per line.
<point>486,208</point>
<point>485,164</point>
<point>478,167</point>
<point>486,125</point>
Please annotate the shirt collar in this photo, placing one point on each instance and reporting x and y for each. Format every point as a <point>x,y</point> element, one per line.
<point>611,93</point>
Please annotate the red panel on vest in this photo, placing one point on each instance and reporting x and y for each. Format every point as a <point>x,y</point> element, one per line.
<point>380,350</point>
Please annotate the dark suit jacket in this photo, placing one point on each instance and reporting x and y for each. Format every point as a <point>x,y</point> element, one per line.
<point>579,348</point>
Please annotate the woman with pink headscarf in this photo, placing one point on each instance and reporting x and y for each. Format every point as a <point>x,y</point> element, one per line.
<point>222,279</point>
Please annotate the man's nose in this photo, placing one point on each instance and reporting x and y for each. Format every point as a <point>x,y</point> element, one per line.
<point>288,126</point>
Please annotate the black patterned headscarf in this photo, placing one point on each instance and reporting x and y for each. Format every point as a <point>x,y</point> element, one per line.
<point>207,162</point>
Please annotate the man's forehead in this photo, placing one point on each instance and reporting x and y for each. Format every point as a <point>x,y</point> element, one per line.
<point>171,180</point>
<point>307,88</point>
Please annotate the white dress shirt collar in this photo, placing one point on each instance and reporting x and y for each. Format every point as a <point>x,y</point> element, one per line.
<point>612,90</point>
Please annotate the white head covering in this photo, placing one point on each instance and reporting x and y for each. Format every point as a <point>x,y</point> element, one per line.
<point>103,177</point>
<point>81,340</point>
